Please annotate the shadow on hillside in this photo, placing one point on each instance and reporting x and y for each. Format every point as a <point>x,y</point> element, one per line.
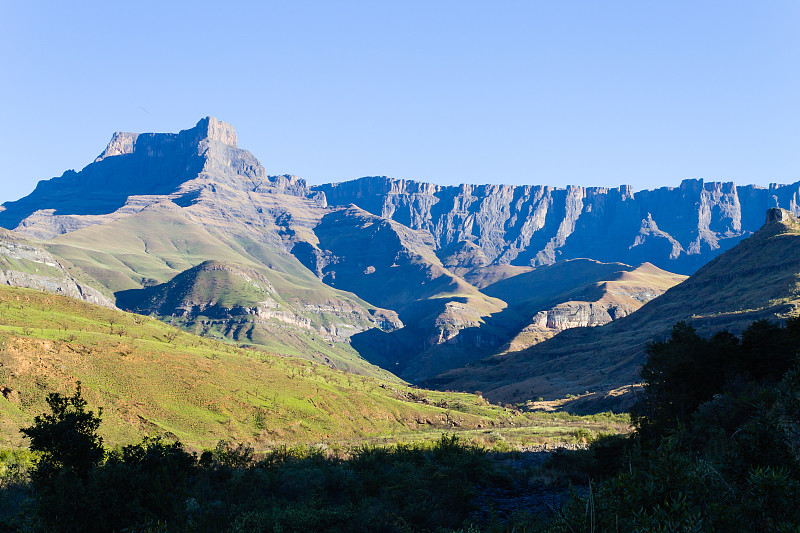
<point>102,187</point>
<point>415,353</point>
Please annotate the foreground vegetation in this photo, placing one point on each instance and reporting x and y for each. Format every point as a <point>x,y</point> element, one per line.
<point>716,449</point>
<point>717,445</point>
<point>158,486</point>
<point>69,482</point>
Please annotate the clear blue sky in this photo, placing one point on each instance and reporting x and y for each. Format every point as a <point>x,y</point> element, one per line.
<point>589,93</point>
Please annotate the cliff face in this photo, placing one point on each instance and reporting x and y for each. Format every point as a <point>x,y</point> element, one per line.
<point>675,228</point>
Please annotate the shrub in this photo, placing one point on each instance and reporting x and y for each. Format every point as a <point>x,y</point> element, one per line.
<point>66,437</point>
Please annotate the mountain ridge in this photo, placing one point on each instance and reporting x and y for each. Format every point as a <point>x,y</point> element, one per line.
<point>675,228</point>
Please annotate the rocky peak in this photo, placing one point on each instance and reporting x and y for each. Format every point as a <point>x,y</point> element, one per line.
<point>122,142</point>
<point>139,169</point>
<point>208,128</point>
<point>776,215</point>
<point>216,130</point>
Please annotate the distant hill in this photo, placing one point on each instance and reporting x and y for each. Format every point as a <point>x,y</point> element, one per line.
<point>225,300</point>
<point>758,278</point>
<point>577,293</point>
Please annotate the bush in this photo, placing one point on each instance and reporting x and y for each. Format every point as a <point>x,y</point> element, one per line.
<point>66,437</point>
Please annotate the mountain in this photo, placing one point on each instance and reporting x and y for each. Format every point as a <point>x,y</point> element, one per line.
<point>153,206</point>
<point>413,278</point>
<point>395,267</point>
<point>677,229</point>
<point>577,293</point>
<point>757,279</point>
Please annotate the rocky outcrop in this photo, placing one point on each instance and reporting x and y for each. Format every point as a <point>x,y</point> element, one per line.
<point>24,265</point>
<point>676,228</point>
<point>575,315</point>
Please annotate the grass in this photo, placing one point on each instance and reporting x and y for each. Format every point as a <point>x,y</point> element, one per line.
<point>151,378</point>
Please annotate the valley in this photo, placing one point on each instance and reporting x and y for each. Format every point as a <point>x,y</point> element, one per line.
<point>365,276</point>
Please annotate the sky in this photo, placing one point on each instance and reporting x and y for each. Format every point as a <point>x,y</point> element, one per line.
<point>642,93</point>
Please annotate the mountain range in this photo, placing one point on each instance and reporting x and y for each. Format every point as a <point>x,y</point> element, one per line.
<point>493,287</point>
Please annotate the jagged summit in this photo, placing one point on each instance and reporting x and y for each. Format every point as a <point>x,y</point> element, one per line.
<point>217,130</point>
<point>676,228</point>
<point>136,170</point>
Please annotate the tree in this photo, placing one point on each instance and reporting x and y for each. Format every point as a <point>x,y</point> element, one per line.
<point>67,436</point>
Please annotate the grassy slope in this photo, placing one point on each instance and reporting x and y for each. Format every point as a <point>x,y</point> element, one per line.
<point>28,266</point>
<point>484,276</point>
<point>570,286</point>
<point>393,266</point>
<point>574,280</point>
<point>153,379</point>
<point>157,244</point>
<point>222,297</point>
<point>160,242</point>
<point>759,278</point>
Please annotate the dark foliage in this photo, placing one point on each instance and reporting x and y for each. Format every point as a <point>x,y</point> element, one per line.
<point>687,370</point>
<point>157,486</point>
<point>717,446</point>
<point>66,437</point>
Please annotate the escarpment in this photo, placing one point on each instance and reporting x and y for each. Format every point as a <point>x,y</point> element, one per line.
<point>676,228</point>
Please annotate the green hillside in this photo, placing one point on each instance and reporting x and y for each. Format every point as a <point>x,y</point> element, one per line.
<point>130,255</point>
<point>228,301</point>
<point>151,378</point>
